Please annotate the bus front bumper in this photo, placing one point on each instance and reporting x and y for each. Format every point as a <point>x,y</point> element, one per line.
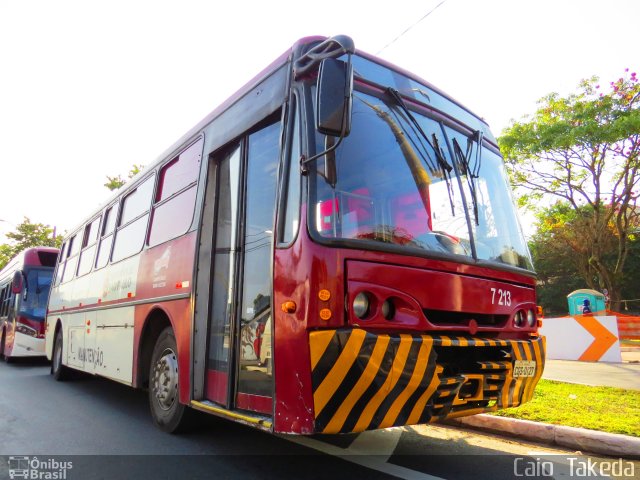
<point>27,346</point>
<point>364,381</point>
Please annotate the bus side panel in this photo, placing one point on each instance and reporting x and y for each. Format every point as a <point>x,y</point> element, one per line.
<point>300,272</point>
<point>167,269</point>
<point>110,354</point>
<point>293,402</point>
<point>73,341</point>
<point>179,314</point>
<point>166,272</point>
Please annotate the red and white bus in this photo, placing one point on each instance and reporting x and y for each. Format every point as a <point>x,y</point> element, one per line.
<point>24,288</point>
<point>333,249</point>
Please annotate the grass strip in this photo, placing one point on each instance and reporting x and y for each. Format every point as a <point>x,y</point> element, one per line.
<point>607,409</point>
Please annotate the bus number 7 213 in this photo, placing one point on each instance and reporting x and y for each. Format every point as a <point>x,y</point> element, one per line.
<point>504,297</point>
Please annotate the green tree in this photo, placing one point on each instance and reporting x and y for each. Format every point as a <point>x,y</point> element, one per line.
<point>27,235</point>
<point>583,150</point>
<point>560,252</point>
<point>631,286</point>
<point>561,255</point>
<point>114,183</point>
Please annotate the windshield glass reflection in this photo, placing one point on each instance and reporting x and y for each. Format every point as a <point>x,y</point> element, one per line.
<point>397,183</point>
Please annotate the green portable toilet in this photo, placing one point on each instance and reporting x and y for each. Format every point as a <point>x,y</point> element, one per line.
<point>577,299</point>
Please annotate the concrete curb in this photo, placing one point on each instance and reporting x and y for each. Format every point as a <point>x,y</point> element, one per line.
<point>581,439</point>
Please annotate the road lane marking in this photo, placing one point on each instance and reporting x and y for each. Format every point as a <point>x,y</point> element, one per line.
<point>371,449</point>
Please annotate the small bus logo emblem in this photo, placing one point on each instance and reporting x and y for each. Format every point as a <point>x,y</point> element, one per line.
<point>18,467</point>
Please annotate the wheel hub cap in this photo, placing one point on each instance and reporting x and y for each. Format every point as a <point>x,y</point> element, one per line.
<point>165,379</point>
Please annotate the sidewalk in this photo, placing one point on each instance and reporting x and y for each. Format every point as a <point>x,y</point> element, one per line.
<point>579,439</point>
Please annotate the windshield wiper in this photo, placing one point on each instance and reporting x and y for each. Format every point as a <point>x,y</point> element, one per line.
<point>472,172</point>
<point>445,167</point>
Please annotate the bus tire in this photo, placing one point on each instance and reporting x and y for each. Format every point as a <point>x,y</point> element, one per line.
<point>58,370</point>
<point>166,410</point>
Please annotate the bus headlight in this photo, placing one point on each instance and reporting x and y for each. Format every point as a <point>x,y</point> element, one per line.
<point>518,319</point>
<point>388,309</point>
<point>361,305</point>
<point>25,330</point>
<point>531,318</point>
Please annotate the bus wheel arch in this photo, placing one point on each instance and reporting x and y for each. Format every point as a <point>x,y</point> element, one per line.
<point>154,324</point>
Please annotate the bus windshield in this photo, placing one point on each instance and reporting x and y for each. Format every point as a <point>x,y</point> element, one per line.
<point>36,292</point>
<point>407,180</point>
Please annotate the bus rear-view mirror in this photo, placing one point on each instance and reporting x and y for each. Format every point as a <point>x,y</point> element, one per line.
<point>17,282</point>
<point>334,97</point>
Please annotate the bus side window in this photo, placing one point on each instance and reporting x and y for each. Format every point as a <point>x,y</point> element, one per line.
<point>88,246</point>
<point>106,235</point>
<point>132,229</point>
<point>3,293</point>
<point>175,199</point>
<point>60,269</point>
<point>72,259</point>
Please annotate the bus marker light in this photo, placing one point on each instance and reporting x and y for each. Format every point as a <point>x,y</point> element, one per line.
<point>88,322</point>
<point>183,284</point>
<point>289,306</point>
<point>324,295</point>
<point>325,314</point>
<point>88,330</point>
<point>130,295</point>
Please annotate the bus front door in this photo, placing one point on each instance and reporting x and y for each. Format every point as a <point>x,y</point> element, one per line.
<point>239,203</point>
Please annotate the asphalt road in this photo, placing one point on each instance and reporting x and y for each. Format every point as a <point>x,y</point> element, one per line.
<point>621,375</point>
<point>104,429</point>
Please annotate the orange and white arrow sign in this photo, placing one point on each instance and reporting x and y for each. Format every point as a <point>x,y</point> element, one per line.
<point>583,337</point>
<point>603,339</point>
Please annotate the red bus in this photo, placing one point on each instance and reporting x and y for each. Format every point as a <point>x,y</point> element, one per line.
<point>24,288</point>
<point>333,249</point>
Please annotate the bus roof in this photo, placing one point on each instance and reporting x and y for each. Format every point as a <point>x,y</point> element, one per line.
<point>31,257</point>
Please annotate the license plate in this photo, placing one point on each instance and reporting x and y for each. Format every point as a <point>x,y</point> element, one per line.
<point>524,368</point>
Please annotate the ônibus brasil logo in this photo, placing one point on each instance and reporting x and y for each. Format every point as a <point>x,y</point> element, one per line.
<point>38,469</point>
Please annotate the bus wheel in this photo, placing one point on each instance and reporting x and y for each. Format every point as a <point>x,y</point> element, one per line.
<point>167,411</point>
<point>58,370</point>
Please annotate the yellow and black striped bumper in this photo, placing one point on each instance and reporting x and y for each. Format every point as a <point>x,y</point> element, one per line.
<point>363,381</point>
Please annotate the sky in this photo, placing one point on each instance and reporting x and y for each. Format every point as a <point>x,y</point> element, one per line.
<point>89,88</point>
